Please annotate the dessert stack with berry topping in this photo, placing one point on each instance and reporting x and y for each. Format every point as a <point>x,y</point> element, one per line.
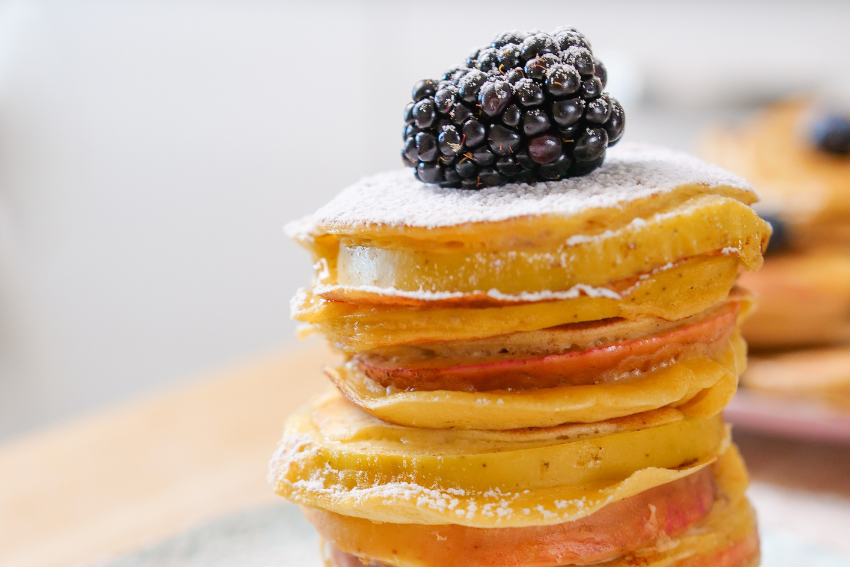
<point>538,335</point>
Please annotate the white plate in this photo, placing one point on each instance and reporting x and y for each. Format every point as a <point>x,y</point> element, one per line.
<point>790,418</point>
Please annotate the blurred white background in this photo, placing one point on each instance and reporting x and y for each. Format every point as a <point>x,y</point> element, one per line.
<point>150,152</point>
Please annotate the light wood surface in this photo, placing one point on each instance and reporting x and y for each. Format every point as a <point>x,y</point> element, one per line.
<point>113,482</point>
<point>121,479</point>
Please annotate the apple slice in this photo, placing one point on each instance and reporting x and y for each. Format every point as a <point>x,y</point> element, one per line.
<point>592,366</point>
<point>623,526</point>
<point>740,553</point>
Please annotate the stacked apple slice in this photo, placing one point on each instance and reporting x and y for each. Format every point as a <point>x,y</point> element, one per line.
<point>533,374</point>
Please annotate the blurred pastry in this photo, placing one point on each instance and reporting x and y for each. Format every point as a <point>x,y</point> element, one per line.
<point>534,371</point>
<point>797,154</point>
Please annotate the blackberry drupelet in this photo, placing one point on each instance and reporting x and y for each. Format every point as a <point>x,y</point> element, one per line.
<point>528,107</point>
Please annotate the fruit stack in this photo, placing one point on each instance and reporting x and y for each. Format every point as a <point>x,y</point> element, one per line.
<point>534,373</point>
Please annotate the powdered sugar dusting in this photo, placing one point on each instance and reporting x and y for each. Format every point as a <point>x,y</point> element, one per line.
<point>630,172</point>
<point>425,295</point>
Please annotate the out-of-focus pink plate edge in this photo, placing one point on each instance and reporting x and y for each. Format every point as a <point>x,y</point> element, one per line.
<point>797,419</point>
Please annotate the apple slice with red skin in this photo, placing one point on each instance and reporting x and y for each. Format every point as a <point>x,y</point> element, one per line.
<point>618,528</point>
<point>740,553</point>
<point>592,366</point>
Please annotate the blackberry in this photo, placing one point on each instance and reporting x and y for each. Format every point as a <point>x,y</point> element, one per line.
<point>832,134</point>
<point>528,107</point>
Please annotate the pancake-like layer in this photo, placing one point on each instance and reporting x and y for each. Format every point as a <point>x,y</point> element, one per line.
<point>804,300</point>
<point>569,355</point>
<point>675,292</point>
<point>810,188</point>
<point>553,341</point>
<point>699,386</point>
<point>361,269</point>
<point>336,457</point>
<point>618,528</point>
<point>644,209</point>
<point>726,537</point>
<point>634,178</point>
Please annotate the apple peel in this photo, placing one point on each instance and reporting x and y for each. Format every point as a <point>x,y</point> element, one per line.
<point>699,385</point>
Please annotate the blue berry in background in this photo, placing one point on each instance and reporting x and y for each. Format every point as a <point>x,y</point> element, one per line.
<point>528,107</point>
<point>832,134</point>
<point>780,240</point>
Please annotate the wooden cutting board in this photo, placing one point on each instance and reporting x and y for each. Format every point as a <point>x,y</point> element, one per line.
<point>130,476</point>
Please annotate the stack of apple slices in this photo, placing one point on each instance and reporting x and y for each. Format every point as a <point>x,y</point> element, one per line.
<point>533,374</point>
